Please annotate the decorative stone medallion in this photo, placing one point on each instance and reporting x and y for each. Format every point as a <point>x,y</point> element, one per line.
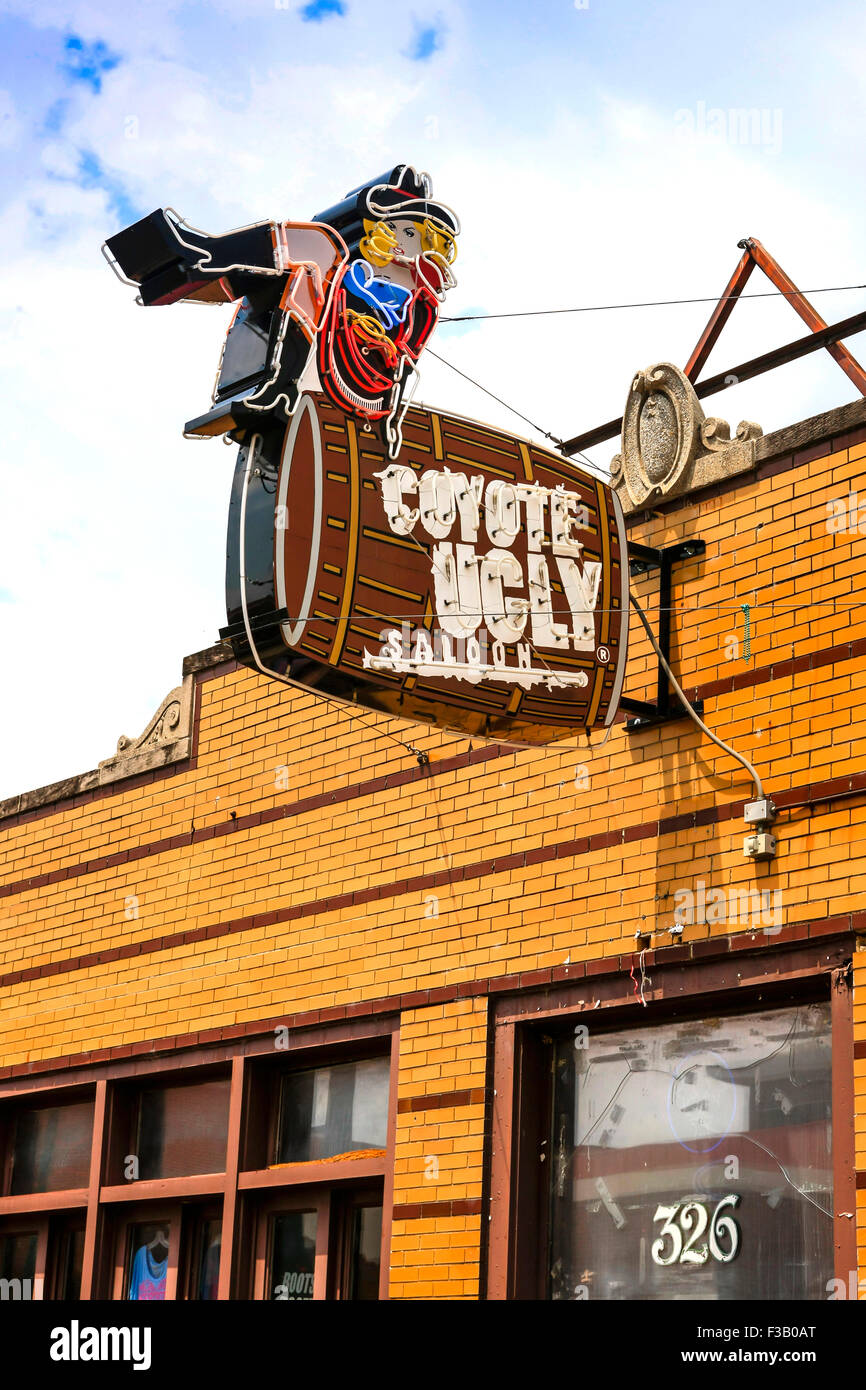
<point>668,446</point>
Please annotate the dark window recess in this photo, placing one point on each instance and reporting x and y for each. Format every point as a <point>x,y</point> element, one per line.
<point>182,1130</point>
<point>692,1160</point>
<point>70,1259</point>
<point>207,1271</point>
<point>51,1148</point>
<point>365,1245</point>
<point>18,1263</point>
<point>293,1256</point>
<point>333,1110</point>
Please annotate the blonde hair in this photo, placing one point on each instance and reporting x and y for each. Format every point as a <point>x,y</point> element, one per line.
<point>379,243</point>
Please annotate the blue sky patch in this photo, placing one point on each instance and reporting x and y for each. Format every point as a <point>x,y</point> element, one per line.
<point>86,62</point>
<point>56,114</point>
<point>317,10</point>
<point>90,174</point>
<point>426,40</point>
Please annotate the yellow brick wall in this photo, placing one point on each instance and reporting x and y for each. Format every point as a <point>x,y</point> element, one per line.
<point>439,1152</point>
<point>436,1258</point>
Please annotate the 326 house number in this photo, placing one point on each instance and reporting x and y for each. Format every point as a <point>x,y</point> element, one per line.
<point>690,1236</point>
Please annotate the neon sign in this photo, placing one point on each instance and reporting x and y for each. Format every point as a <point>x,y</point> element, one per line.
<point>397,557</point>
<point>343,304</point>
<point>477,582</point>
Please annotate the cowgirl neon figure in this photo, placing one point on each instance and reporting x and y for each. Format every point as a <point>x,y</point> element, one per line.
<point>343,304</point>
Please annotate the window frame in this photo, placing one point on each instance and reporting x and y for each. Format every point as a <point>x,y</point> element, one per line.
<point>732,983</point>
<point>333,1204</point>
<point>347,1204</point>
<point>61,1226</point>
<point>193,1220</point>
<point>53,1100</point>
<point>110,1202</point>
<point>266,1210</point>
<point>125,1120</point>
<point>275,1128</point>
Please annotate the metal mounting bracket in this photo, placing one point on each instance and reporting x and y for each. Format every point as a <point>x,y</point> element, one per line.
<point>667,706</point>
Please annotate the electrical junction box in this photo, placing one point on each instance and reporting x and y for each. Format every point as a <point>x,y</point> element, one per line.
<point>761,846</point>
<point>759,812</point>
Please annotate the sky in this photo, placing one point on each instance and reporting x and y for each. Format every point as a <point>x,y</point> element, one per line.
<point>598,153</point>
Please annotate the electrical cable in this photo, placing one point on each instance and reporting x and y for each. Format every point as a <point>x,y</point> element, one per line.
<point>639,992</point>
<point>494,397</point>
<point>673,610</point>
<point>598,308</point>
<point>634,981</point>
<point>649,304</point>
<point>576,453</point>
<point>420,756</point>
<point>741,759</point>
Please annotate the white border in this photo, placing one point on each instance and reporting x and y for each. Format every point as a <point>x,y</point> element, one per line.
<point>292,632</point>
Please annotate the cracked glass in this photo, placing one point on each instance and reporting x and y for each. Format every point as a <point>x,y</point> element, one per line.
<point>693,1160</point>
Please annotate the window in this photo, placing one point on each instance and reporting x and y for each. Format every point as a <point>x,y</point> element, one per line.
<point>698,1147</point>
<point>146,1253</point>
<point>321,1236</point>
<point>292,1256</point>
<point>333,1110</point>
<point>18,1255</point>
<point>363,1252</point>
<point>315,1163</point>
<point>50,1148</point>
<point>237,1172</point>
<point>66,1248</point>
<point>181,1129</point>
<point>693,1160</point>
<point>163,1251</point>
<point>316,1242</point>
<point>206,1244</point>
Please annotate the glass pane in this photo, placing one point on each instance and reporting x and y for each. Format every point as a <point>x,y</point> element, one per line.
<point>693,1160</point>
<point>209,1260</point>
<point>148,1261</point>
<point>183,1130</point>
<point>293,1261</point>
<point>366,1245</point>
<point>51,1148</point>
<point>17,1265</point>
<point>70,1257</point>
<point>334,1110</point>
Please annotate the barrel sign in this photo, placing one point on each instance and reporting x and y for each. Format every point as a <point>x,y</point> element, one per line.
<point>477,581</point>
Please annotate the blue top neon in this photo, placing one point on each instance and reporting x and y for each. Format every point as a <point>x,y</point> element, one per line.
<point>389,301</point>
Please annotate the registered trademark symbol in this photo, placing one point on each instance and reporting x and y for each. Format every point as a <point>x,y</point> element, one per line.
<point>602,654</point>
